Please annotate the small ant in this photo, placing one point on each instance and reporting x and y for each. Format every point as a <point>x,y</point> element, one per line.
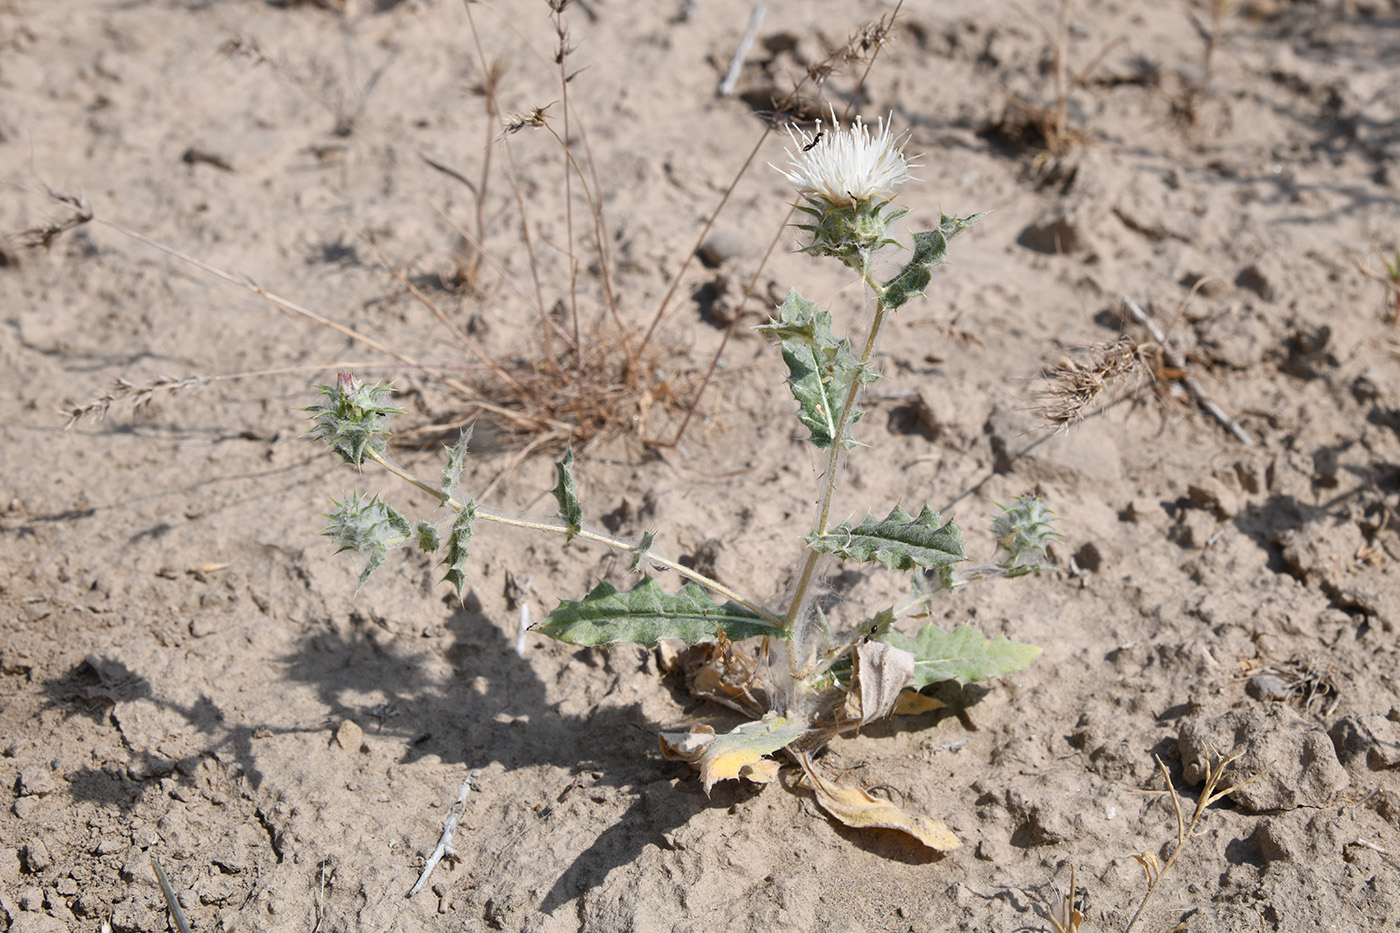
<point>815,139</point>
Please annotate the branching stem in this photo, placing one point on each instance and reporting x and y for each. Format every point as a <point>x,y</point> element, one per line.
<point>582,534</point>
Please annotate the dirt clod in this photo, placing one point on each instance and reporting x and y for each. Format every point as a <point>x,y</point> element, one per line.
<point>1302,767</point>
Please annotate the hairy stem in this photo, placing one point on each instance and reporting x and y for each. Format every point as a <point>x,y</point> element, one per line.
<point>801,615</point>
<point>582,534</point>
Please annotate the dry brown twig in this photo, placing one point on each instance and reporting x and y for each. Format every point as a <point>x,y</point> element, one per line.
<point>1070,917</point>
<point>1188,107</point>
<point>1186,831</point>
<point>586,380</point>
<point>1174,359</point>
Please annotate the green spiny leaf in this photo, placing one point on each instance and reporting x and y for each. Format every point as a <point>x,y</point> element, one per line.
<point>1023,532</point>
<point>452,472</point>
<point>457,553</point>
<point>647,613</point>
<point>566,493</point>
<point>821,368</point>
<point>368,526</point>
<point>352,418</point>
<point>899,541</point>
<point>963,655</point>
<point>640,554</point>
<point>877,625</point>
<point>930,250</point>
<point>427,537</point>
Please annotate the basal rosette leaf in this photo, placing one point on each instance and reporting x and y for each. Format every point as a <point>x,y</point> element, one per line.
<point>899,541</point>
<point>963,655</point>
<point>736,754</point>
<point>821,368</point>
<point>646,614</point>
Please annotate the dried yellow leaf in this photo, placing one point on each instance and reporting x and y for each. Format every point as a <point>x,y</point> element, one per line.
<point>1150,865</point>
<point>858,809</point>
<point>912,703</point>
<point>881,671</point>
<point>736,754</point>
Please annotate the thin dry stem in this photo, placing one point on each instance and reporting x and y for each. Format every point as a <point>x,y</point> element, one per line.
<point>864,47</point>
<point>1186,831</point>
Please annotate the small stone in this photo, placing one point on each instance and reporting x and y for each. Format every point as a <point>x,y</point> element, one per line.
<point>30,898</point>
<point>1257,280</point>
<point>1278,840</point>
<point>1057,233</point>
<point>1211,495</point>
<point>10,865</point>
<point>37,923</point>
<point>1195,529</point>
<point>723,247</point>
<point>27,808</point>
<point>1038,823</point>
<point>1268,687</point>
<point>202,626</point>
<point>36,857</point>
<point>66,886</point>
<point>217,890</point>
<point>109,845</point>
<point>349,736</point>
<point>131,917</point>
<point>88,904</point>
<point>36,782</point>
<point>1142,509</point>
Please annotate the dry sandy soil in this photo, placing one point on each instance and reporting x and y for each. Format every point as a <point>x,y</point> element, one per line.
<point>187,674</point>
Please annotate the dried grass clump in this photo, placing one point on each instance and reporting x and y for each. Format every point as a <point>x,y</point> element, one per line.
<point>1073,387</point>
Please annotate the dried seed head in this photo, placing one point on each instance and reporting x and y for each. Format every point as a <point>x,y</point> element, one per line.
<point>1072,387</point>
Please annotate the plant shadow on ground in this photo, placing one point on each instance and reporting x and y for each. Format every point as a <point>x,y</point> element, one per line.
<point>492,709</point>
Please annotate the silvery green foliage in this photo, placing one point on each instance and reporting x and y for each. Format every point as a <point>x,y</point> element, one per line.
<point>1023,532</point>
<point>821,368</point>
<point>846,179</point>
<point>352,418</point>
<point>899,541</point>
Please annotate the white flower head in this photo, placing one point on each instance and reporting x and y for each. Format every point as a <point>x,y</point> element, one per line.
<point>845,167</point>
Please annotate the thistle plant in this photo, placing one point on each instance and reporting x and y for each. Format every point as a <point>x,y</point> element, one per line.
<point>800,678</point>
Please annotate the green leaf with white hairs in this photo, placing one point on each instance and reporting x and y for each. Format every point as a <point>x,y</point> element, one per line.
<point>963,655</point>
<point>457,552</point>
<point>456,456</point>
<point>353,418</point>
<point>821,368</point>
<point>1024,534</point>
<point>368,526</point>
<point>647,613</point>
<point>427,537</point>
<point>566,494</point>
<point>640,554</point>
<point>930,250</point>
<point>899,541</point>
